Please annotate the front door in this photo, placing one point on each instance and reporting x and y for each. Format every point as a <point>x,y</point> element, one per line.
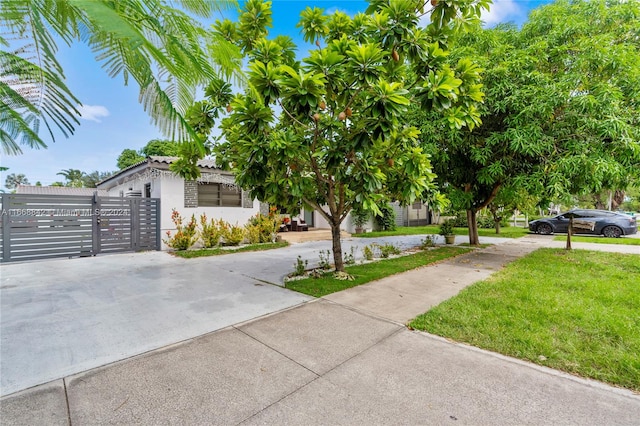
<point>308,217</point>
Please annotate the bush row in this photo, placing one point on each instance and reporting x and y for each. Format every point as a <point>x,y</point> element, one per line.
<point>214,232</point>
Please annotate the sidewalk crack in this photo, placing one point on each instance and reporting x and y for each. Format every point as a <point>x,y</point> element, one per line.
<point>66,400</point>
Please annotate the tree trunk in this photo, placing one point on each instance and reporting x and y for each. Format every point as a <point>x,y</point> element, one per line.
<point>474,239</point>
<point>598,203</point>
<point>618,199</point>
<point>495,216</point>
<point>569,232</point>
<point>337,247</point>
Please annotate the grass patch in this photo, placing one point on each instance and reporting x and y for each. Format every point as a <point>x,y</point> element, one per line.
<point>508,232</point>
<point>189,254</point>
<point>365,273</point>
<point>574,311</point>
<point>600,240</point>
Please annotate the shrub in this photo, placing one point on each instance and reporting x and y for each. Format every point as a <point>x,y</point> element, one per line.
<point>460,220</point>
<point>262,229</point>
<point>253,234</point>
<point>367,252</point>
<point>185,235</point>
<point>300,267</point>
<point>386,222</point>
<point>388,249</point>
<point>486,222</point>
<point>446,228</point>
<point>232,235</point>
<point>428,242</point>
<point>359,216</point>
<point>210,232</point>
<point>324,263</point>
<point>350,258</point>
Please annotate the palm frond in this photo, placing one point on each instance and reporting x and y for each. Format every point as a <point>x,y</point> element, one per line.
<point>154,41</point>
<point>18,129</point>
<point>164,114</point>
<point>226,57</point>
<point>204,8</point>
<point>31,78</point>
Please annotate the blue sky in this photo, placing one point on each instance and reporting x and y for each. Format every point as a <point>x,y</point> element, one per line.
<point>113,120</point>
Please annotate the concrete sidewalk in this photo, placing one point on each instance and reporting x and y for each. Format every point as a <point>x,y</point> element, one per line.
<point>611,248</point>
<point>343,360</point>
<point>321,363</point>
<point>403,296</point>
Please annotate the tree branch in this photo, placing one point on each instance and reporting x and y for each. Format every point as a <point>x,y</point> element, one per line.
<point>291,116</point>
<point>492,196</point>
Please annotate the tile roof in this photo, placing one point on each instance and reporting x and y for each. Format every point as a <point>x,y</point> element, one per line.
<point>205,163</point>
<point>57,190</point>
<point>161,162</point>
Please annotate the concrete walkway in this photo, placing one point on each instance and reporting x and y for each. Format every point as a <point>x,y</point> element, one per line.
<point>402,297</point>
<point>345,359</point>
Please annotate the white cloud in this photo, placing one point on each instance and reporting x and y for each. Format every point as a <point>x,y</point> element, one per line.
<point>92,112</point>
<point>330,11</point>
<point>502,11</point>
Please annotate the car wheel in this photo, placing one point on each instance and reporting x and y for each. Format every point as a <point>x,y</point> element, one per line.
<point>612,232</point>
<point>544,229</point>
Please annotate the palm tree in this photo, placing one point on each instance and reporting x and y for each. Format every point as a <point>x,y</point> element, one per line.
<point>74,177</point>
<point>162,48</point>
<point>13,180</point>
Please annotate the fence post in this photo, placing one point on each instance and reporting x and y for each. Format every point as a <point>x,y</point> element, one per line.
<point>158,222</point>
<point>134,220</point>
<point>95,223</point>
<point>6,227</point>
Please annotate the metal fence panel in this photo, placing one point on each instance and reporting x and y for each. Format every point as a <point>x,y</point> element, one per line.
<point>47,226</point>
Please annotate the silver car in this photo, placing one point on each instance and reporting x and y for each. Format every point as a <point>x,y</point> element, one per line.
<point>595,222</point>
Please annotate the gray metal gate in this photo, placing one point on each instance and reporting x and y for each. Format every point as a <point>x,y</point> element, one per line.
<point>46,226</point>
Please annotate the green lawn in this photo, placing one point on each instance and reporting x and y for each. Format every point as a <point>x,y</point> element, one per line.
<point>508,232</point>
<point>575,311</point>
<point>188,254</point>
<point>365,273</point>
<point>600,240</point>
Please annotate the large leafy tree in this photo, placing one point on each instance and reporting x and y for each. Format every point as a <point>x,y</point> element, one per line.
<point>327,132</point>
<point>91,180</point>
<point>160,147</point>
<point>159,46</point>
<point>562,108</point>
<point>129,157</point>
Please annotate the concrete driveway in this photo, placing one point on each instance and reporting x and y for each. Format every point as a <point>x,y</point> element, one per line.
<point>64,316</point>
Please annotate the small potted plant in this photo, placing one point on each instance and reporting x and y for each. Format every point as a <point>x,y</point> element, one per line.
<point>446,230</point>
<point>360,217</point>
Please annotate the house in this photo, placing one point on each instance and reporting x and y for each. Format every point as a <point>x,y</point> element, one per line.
<point>416,214</point>
<point>213,193</point>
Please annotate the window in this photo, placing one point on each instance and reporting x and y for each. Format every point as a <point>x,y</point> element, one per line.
<point>218,195</point>
<point>147,190</point>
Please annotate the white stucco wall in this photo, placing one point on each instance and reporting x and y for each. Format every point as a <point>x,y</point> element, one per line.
<point>346,225</point>
<point>403,214</point>
<point>170,190</point>
<point>319,221</point>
